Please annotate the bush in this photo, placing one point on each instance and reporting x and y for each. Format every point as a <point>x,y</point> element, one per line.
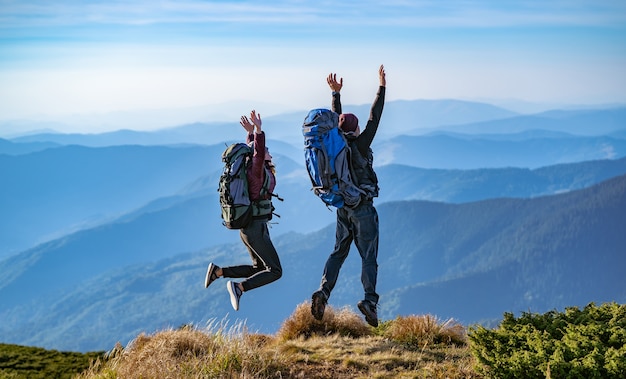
<point>34,362</point>
<point>587,343</point>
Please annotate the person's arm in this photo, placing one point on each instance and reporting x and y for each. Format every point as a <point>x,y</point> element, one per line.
<point>367,136</point>
<point>249,127</point>
<point>335,86</point>
<point>258,158</point>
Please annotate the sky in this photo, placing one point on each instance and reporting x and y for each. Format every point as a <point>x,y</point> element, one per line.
<point>91,66</point>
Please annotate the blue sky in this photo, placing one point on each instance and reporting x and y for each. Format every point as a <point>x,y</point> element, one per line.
<point>76,61</point>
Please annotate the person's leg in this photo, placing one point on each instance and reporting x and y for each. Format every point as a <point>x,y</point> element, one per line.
<point>365,222</point>
<point>343,239</point>
<point>246,271</point>
<point>267,267</point>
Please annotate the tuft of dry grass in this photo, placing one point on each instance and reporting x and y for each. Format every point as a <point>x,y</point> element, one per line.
<point>424,330</point>
<point>192,353</point>
<point>343,322</point>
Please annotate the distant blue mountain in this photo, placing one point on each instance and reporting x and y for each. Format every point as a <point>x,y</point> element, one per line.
<point>460,152</point>
<point>49,193</point>
<point>470,261</point>
<point>11,148</point>
<point>66,189</point>
<point>197,133</point>
<point>403,116</point>
<point>534,255</point>
<point>400,182</point>
<point>135,239</point>
<point>444,134</point>
<point>591,122</point>
<point>399,116</point>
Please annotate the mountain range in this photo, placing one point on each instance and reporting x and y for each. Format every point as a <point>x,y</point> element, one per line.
<point>71,188</point>
<point>400,116</point>
<point>482,211</point>
<point>49,193</point>
<point>469,261</point>
<point>587,122</point>
<point>414,117</point>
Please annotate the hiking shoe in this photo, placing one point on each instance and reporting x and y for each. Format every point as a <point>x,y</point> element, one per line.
<point>211,275</point>
<point>369,310</point>
<point>318,305</point>
<point>235,294</point>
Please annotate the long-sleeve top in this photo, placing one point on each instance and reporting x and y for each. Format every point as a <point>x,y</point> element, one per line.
<point>257,171</point>
<point>364,140</point>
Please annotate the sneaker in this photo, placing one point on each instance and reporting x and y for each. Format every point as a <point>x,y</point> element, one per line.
<point>369,310</point>
<point>211,275</point>
<point>318,305</point>
<point>235,294</point>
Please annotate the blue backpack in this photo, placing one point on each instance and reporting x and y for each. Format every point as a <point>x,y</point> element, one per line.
<point>327,158</point>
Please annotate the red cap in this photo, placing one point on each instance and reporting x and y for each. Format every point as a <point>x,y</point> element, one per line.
<point>348,122</point>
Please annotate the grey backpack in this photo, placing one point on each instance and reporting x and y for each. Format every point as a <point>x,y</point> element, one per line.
<point>237,208</point>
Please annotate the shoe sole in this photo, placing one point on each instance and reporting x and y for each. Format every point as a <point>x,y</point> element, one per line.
<point>234,301</point>
<point>318,306</point>
<point>207,279</point>
<point>371,321</point>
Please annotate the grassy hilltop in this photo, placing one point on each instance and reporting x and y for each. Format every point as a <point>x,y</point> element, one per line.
<point>342,345</point>
<point>587,343</point>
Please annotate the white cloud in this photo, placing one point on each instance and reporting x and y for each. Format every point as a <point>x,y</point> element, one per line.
<point>457,13</point>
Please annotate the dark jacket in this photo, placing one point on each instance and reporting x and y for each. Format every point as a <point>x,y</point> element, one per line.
<point>257,171</point>
<point>364,140</point>
<point>362,158</point>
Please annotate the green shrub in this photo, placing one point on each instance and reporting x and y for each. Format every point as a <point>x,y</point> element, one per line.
<point>33,362</point>
<point>587,343</point>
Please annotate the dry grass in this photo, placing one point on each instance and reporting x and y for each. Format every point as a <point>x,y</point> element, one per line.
<point>192,353</point>
<point>342,345</point>
<point>373,357</point>
<point>343,322</point>
<point>421,331</point>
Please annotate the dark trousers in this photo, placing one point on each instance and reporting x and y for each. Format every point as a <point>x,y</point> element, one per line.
<point>360,225</point>
<point>265,266</point>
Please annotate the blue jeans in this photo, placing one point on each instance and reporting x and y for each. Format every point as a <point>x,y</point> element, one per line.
<point>360,225</point>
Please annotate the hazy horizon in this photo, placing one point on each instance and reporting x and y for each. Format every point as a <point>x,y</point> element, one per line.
<point>160,119</point>
<point>100,66</point>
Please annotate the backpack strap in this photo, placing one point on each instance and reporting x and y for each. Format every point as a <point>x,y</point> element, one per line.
<point>265,207</point>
